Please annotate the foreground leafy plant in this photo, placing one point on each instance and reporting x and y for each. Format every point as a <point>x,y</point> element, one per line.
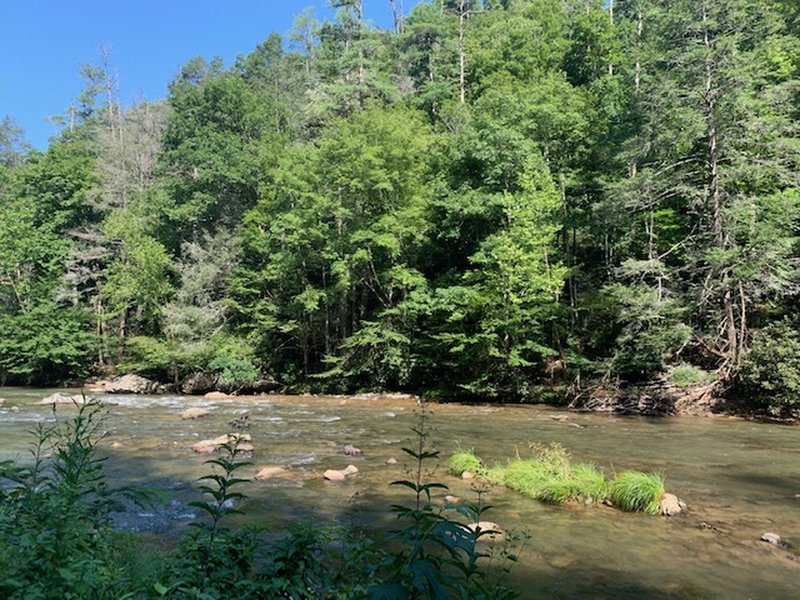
<point>439,557</point>
<point>216,561</point>
<point>55,535</point>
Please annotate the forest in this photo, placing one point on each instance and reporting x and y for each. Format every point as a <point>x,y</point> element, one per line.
<point>512,200</point>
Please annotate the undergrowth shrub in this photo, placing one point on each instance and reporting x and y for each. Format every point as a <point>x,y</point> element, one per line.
<point>685,375</point>
<point>55,528</point>
<point>769,378</point>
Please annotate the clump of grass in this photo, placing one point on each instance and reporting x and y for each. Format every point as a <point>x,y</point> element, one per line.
<point>636,491</point>
<point>590,482</point>
<point>495,475</point>
<point>550,477</point>
<point>539,476</point>
<point>583,482</point>
<point>464,460</point>
<point>528,477</point>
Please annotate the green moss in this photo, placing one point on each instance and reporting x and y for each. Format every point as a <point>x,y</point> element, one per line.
<point>636,491</point>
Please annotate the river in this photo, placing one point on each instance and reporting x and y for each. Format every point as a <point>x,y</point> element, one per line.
<point>740,480</point>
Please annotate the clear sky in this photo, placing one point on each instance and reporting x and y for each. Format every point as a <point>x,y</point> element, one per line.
<point>44,42</point>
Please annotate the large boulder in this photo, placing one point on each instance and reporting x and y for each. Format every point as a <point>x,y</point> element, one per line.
<point>216,396</point>
<point>134,384</point>
<point>199,383</point>
<point>262,386</point>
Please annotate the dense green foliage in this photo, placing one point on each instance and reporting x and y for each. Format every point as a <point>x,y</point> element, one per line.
<point>494,197</point>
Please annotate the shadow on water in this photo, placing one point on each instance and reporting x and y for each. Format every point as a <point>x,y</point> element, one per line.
<point>275,507</point>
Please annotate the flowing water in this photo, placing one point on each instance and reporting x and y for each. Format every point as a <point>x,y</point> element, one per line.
<point>740,480</point>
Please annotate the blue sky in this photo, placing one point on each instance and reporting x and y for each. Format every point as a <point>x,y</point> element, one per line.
<point>44,42</point>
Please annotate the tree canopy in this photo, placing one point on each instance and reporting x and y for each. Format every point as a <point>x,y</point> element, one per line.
<point>493,199</point>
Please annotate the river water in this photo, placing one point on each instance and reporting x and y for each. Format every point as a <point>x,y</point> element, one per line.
<point>740,480</point>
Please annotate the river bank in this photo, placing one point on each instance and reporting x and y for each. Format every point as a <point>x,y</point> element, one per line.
<point>655,399</point>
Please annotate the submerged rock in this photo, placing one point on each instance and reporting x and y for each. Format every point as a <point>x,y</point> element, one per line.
<point>194,412</point>
<point>487,526</point>
<point>270,472</point>
<point>774,539</point>
<point>209,446</point>
<point>134,384</point>
<point>350,450</point>
<point>391,461</point>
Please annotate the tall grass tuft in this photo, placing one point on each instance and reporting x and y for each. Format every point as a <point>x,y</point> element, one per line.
<point>464,460</point>
<point>635,491</point>
<point>528,477</point>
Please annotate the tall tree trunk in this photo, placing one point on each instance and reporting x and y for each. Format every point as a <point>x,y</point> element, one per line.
<point>397,15</point>
<point>463,12</point>
<point>714,191</point>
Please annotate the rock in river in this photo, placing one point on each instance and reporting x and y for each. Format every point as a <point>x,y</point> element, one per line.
<point>209,446</point>
<point>671,505</point>
<point>133,384</point>
<point>775,540</point>
<point>194,412</point>
<point>59,398</point>
<point>334,475</point>
<point>270,472</point>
